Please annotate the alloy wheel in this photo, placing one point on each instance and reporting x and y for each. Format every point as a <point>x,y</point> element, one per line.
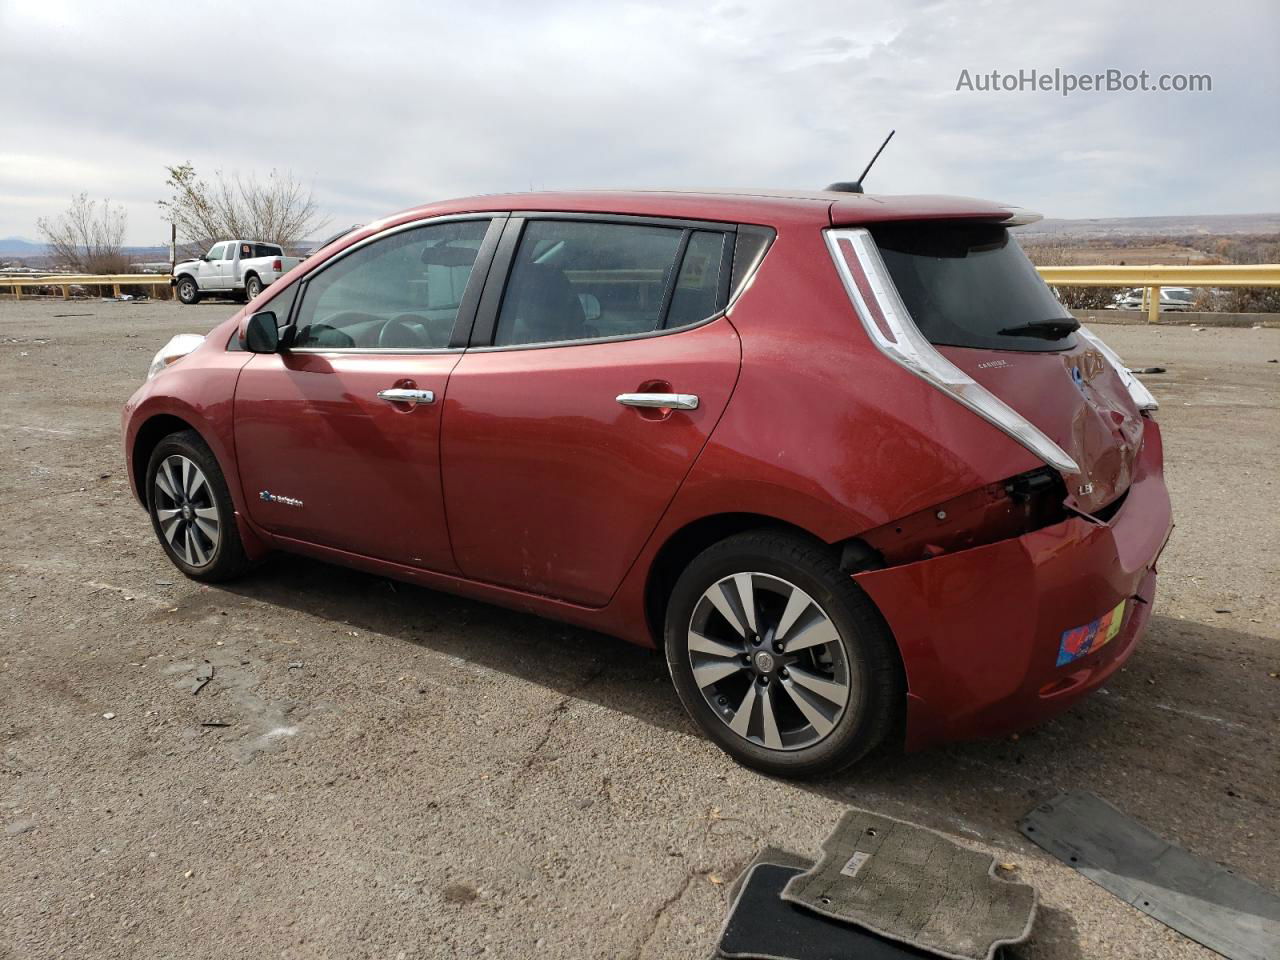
<point>769,661</point>
<point>185,510</point>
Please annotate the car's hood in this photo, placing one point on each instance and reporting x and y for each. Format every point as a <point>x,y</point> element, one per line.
<point>1075,397</point>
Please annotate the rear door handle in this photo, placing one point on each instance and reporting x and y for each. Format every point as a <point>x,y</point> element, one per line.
<point>401,395</point>
<point>663,401</point>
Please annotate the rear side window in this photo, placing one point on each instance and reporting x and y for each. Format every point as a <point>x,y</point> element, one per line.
<point>400,292</point>
<point>580,280</point>
<point>970,285</point>
<point>697,288</point>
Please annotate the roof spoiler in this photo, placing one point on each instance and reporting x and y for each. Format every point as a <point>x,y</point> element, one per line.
<point>1020,217</point>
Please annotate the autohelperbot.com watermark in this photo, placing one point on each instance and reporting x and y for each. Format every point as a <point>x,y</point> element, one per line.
<point>1065,82</point>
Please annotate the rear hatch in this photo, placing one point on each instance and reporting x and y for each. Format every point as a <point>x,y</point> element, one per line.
<point>974,295</point>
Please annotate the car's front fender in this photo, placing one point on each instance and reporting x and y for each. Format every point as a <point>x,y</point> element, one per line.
<point>198,391</point>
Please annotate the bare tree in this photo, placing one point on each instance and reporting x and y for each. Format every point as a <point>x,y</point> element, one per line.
<point>278,210</point>
<point>87,239</point>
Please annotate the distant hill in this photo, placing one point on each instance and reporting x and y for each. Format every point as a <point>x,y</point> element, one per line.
<point>1207,224</point>
<point>21,247</point>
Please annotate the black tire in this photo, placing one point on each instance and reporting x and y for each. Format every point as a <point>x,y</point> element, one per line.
<point>188,290</point>
<point>252,287</point>
<point>226,558</point>
<point>871,661</point>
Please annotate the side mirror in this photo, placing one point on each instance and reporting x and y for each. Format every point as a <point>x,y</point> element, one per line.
<point>260,333</point>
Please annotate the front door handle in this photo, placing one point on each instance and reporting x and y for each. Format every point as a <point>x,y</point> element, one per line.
<point>401,395</point>
<point>662,401</point>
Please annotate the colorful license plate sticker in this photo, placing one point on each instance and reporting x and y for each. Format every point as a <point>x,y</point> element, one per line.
<point>1082,640</point>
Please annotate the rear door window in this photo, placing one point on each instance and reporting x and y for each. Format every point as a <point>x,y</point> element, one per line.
<point>969,284</point>
<point>582,280</point>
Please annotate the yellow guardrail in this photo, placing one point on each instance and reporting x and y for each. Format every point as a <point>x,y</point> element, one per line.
<point>65,281</point>
<point>1152,278</point>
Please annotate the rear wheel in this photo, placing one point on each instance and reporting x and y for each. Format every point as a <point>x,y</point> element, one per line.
<point>252,287</point>
<point>780,657</point>
<point>191,509</point>
<point>188,292</point>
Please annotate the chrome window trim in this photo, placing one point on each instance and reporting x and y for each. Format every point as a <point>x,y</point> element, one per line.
<point>617,338</point>
<point>381,351</point>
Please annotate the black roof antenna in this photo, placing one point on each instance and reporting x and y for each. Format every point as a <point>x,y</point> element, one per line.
<point>855,186</point>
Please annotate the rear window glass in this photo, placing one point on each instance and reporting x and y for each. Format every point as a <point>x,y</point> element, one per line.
<point>970,285</point>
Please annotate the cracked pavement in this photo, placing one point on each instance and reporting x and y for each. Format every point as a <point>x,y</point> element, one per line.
<point>400,773</point>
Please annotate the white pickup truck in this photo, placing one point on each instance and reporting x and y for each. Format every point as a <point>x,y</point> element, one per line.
<point>236,268</point>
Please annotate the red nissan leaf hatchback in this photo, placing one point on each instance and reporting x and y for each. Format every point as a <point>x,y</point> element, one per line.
<point>844,457</point>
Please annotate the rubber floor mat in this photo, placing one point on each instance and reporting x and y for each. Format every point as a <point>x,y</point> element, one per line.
<point>763,926</point>
<point>774,855</point>
<point>913,885</point>
<point>1196,897</point>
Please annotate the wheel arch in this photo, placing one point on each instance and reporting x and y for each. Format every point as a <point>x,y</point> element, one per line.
<point>691,539</point>
<point>149,435</point>
<point>688,541</point>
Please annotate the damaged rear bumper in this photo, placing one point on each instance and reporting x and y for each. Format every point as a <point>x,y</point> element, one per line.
<point>981,631</point>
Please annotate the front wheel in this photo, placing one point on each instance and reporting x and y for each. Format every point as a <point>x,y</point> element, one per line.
<point>780,657</point>
<point>191,509</point>
<point>188,292</point>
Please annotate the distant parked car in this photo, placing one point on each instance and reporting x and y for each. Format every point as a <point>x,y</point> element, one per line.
<point>844,459</point>
<point>238,268</point>
<point>328,240</point>
<point>1172,299</point>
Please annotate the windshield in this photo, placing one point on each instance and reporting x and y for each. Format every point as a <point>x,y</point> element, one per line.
<point>969,284</point>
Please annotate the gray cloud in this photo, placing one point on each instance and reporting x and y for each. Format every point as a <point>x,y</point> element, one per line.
<point>383,105</point>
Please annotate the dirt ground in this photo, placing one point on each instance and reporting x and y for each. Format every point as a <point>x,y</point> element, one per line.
<point>377,770</point>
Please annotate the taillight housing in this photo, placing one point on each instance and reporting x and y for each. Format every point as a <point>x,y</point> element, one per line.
<point>1143,397</point>
<point>277,264</point>
<point>887,322</point>
<point>998,511</point>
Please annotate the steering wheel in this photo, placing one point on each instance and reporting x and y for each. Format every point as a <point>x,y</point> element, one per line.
<point>403,331</point>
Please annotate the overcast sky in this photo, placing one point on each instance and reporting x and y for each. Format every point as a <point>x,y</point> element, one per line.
<point>383,106</point>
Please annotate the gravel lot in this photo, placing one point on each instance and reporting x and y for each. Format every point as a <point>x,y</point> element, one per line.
<point>376,770</point>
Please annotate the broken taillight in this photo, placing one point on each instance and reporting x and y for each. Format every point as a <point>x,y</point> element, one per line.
<point>998,511</point>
